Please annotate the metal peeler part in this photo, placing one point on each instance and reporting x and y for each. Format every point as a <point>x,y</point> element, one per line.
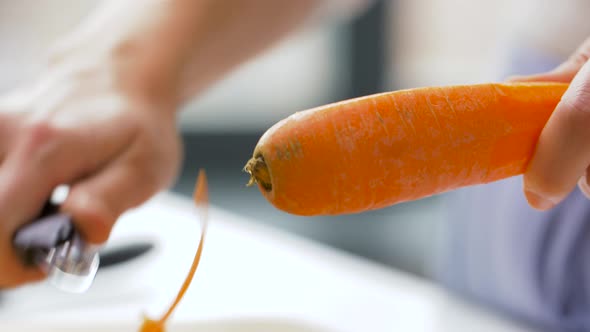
<point>53,244</point>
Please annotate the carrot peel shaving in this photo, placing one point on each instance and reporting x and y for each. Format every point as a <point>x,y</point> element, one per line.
<point>201,200</point>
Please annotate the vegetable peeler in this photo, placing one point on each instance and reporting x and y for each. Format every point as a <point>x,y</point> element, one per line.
<point>52,243</point>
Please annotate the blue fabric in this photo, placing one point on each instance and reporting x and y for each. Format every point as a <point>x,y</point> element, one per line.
<point>532,265</point>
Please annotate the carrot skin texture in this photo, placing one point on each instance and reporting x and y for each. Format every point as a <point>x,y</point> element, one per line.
<point>376,151</point>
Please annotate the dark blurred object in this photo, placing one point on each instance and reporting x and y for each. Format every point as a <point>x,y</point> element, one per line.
<point>34,241</point>
<point>368,45</point>
<point>115,256</point>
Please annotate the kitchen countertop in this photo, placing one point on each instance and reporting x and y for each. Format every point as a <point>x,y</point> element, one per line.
<point>250,274</point>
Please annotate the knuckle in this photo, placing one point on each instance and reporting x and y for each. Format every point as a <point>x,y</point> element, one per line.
<point>40,134</point>
<point>43,143</point>
<point>44,146</point>
<point>581,57</point>
<point>40,131</point>
<point>582,54</point>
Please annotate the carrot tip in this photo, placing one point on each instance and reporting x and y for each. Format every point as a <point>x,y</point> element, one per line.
<point>258,171</point>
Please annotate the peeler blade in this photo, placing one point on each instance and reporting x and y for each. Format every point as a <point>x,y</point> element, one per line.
<point>53,244</point>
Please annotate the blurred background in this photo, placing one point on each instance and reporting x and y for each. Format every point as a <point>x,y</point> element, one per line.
<point>392,45</point>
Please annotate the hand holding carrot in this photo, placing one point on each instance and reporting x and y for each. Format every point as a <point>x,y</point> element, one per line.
<point>562,156</point>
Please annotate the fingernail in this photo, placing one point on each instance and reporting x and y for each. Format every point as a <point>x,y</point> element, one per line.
<point>537,201</point>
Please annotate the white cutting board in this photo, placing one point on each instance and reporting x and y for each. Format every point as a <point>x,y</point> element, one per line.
<point>252,278</point>
<point>246,325</point>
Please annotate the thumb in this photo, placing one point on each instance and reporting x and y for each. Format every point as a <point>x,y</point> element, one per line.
<point>97,201</point>
<point>565,72</point>
<point>562,154</point>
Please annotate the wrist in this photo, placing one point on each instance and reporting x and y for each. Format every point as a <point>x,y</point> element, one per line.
<point>145,73</point>
<point>135,51</point>
<point>128,66</point>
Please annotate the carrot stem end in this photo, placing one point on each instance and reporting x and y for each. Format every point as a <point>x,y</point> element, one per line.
<point>258,171</point>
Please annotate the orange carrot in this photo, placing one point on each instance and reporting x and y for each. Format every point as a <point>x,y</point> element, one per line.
<point>201,199</point>
<point>379,150</point>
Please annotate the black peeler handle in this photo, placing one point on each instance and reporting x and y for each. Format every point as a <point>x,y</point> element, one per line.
<point>33,241</point>
<point>52,244</point>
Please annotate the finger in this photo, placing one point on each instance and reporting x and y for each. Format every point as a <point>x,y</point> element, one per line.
<point>565,72</point>
<point>9,127</point>
<point>97,202</point>
<point>14,272</point>
<point>563,152</point>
